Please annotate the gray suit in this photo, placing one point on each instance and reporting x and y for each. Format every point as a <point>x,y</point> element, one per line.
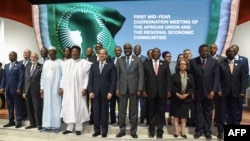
<point>128,83</point>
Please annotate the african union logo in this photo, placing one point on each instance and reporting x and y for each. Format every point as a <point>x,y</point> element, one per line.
<point>85,25</point>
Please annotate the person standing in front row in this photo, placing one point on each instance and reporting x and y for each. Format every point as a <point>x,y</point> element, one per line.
<point>101,87</point>
<point>130,79</point>
<point>231,88</point>
<point>31,92</point>
<point>182,90</point>
<point>73,88</point>
<point>12,83</point>
<point>49,90</point>
<point>157,84</point>
<point>204,70</point>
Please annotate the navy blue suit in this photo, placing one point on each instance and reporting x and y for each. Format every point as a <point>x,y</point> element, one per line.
<point>11,81</point>
<point>101,84</point>
<point>231,85</point>
<point>205,81</point>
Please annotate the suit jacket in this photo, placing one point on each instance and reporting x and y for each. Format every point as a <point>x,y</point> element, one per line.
<point>93,58</point>
<point>160,83</point>
<point>232,82</point>
<point>176,84</point>
<point>131,79</point>
<point>34,80</point>
<point>143,58</point>
<point>244,61</point>
<point>1,75</point>
<point>218,57</point>
<point>102,83</point>
<point>205,78</point>
<point>13,79</point>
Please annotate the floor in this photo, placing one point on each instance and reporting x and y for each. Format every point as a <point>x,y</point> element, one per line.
<point>22,134</point>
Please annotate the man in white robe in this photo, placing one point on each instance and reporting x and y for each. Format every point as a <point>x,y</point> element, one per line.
<point>50,85</point>
<point>74,89</point>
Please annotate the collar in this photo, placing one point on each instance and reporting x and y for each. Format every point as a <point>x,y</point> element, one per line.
<point>230,61</point>
<point>237,57</point>
<point>128,57</point>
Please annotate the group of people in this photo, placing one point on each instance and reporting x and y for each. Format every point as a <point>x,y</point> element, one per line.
<point>58,90</point>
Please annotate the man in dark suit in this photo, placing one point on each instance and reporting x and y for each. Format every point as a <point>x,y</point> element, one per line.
<point>231,88</point>
<point>31,92</point>
<point>130,79</point>
<point>157,84</point>
<point>213,53</point>
<point>112,102</point>
<point>204,68</point>
<point>244,61</point>
<point>12,83</point>
<point>101,87</point>
<point>137,52</point>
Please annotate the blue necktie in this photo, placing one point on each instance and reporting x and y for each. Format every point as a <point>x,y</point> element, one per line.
<point>127,63</point>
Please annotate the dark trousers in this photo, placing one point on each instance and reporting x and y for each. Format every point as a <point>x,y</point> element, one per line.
<point>143,109</point>
<point>112,107</point>
<point>156,114</point>
<point>101,117</point>
<point>204,108</point>
<point>2,96</point>
<point>34,108</point>
<point>133,112</point>
<point>14,102</point>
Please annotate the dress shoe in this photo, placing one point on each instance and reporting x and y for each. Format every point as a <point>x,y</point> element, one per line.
<point>151,135</point>
<point>9,124</point>
<point>220,136</point>
<point>104,135</point>
<point>120,134</point>
<point>67,132</point>
<point>159,136</point>
<point>141,121</point>
<point>112,122</point>
<point>44,130</point>
<point>208,136</point>
<point>175,135</point>
<point>95,134</point>
<point>78,133</point>
<point>30,127</point>
<point>196,136</point>
<point>39,127</point>
<point>134,136</point>
<point>18,125</point>
<point>183,135</point>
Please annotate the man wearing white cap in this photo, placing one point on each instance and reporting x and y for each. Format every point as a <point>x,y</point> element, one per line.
<point>50,84</point>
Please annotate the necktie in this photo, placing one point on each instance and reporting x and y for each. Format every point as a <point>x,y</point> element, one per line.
<point>32,70</point>
<point>11,65</point>
<point>127,63</point>
<point>231,66</point>
<point>101,67</point>
<point>203,63</point>
<point>156,67</point>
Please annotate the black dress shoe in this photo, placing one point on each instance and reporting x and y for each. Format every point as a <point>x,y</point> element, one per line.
<point>159,136</point>
<point>39,127</point>
<point>120,134</point>
<point>175,135</point>
<point>196,136</point>
<point>30,127</point>
<point>78,133</point>
<point>96,134</point>
<point>18,125</point>
<point>208,136</point>
<point>9,124</point>
<point>220,136</point>
<point>112,122</point>
<point>151,135</point>
<point>67,132</point>
<point>104,135</point>
<point>134,136</point>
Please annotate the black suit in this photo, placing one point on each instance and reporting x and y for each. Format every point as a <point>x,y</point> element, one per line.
<point>157,88</point>
<point>101,84</point>
<point>205,81</point>
<point>2,95</point>
<point>32,90</point>
<point>231,85</point>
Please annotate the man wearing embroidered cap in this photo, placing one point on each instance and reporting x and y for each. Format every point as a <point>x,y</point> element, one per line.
<point>50,83</point>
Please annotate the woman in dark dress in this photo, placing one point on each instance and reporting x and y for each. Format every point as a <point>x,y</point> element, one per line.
<point>182,88</point>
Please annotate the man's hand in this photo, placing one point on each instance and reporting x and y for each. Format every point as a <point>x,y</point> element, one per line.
<point>109,96</point>
<point>41,93</point>
<point>91,95</point>
<point>211,95</point>
<point>117,94</point>
<point>61,91</point>
<point>24,96</point>
<point>138,93</point>
<point>1,91</point>
<point>145,94</point>
<point>84,92</point>
<point>18,91</point>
